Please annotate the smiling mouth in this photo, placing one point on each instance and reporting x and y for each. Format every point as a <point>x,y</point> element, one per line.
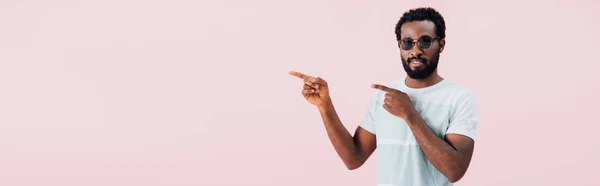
<point>416,63</point>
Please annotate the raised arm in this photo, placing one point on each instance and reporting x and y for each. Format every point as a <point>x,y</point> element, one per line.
<point>353,150</point>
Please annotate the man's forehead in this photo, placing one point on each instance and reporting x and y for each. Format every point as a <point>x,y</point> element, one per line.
<point>417,29</point>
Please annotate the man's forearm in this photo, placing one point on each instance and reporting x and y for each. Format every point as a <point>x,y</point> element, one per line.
<point>341,139</point>
<point>442,155</point>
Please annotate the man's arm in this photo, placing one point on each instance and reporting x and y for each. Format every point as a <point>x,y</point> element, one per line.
<point>354,151</point>
<point>451,157</point>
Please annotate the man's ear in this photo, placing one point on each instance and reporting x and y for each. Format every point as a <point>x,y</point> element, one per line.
<point>442,44</point>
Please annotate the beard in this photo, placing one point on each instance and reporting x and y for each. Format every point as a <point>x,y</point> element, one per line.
<point>429,67</point>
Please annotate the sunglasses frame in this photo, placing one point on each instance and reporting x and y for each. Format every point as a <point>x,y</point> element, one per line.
<point>416,42</point>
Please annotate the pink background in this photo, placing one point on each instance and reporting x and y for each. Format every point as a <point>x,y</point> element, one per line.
<point>137,92</point>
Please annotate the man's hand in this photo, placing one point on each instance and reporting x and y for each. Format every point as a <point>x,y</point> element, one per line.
<point>396,102</point>
<point>315,89</point>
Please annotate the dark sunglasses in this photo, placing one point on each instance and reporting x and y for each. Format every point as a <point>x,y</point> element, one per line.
<point>424,42</point>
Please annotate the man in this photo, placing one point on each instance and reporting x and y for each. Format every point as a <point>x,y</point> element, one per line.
<point>423,126</point>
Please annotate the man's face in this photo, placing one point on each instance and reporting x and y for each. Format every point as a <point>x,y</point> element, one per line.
<point>420,61</point>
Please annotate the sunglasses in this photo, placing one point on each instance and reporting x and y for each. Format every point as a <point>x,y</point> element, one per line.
<point>424,42</point>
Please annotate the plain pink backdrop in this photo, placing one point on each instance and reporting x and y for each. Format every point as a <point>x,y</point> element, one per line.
<point>165,93</point>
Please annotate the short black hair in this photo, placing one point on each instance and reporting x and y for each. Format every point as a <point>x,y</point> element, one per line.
<point>423,14</point>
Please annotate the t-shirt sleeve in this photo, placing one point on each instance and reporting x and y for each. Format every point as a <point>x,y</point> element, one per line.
<point>368,122</point>
<point>465,118</point>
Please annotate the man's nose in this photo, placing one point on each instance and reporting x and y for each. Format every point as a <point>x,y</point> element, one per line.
<point>416,51</point>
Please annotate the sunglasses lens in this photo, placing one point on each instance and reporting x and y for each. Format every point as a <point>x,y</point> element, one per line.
<point>406,45</point>
<point>425,42</point>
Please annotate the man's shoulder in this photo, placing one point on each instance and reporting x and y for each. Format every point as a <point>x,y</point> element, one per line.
<point>460,94</point>
<point>457,88</point>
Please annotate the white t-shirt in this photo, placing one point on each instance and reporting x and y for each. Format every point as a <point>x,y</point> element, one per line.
<point>446,107</point>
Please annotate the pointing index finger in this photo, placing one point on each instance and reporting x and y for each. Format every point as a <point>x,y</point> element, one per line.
<point>381,87</point>
<point>299,75</point>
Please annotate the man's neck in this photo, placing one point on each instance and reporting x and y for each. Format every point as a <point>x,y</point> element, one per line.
<point>433,79</point>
